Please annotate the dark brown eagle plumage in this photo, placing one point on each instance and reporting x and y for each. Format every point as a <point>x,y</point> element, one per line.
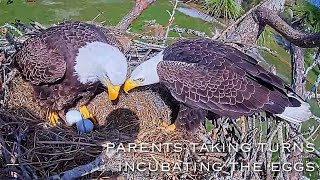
<point>47,61</point>
<point>214,76</point>
<point>206,75</point>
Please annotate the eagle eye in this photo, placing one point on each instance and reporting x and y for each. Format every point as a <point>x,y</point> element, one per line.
<point>140,79</point>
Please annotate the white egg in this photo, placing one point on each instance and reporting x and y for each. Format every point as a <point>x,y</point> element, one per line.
<point>72,117</point>
<point>85,126</point>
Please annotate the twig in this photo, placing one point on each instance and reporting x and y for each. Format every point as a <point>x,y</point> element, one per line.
<point>23,27</point>
<point>152,38</point>
<point>273,53</point>
<point>185,160</point>
<point>315,151</point>
<point>269,152</point>
<point>190,31</point>
<point>283,158</point>
<point>315,62</point>
<point>9,77</point>
<point>24,169</point>
<point>7,48</point>
<point>12,27</point>
<point>315,86</point>
<point>38,25</point>
<point>96,16</point>
<point>243,126</point>
<point>170,21</point>
<point>314,133</point>
<point>147,45</point>
<point>98,164</point>
<point>315,118</point>
<point>67,142</point>
<point>300,136</point>
<point>5,150</point>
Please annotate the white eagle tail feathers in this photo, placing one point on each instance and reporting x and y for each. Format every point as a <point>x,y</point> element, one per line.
<point>298,113</point>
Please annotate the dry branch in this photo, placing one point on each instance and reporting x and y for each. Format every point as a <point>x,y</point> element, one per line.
<point>171,19</point>
<point>247,29</point>
<point>268,17</point>
<point>99,164</point>
<point>189,31</point>
<point>139,7</point>
<point>297,65</point>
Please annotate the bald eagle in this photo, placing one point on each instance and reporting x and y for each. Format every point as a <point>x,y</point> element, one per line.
<point>206,75</point>
<point>68,62</point>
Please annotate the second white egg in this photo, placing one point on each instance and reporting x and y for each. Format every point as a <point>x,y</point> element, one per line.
<point>72,117</point>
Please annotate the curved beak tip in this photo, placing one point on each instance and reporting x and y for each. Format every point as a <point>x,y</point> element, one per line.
<point>113,91</point>
<point>112,97</point>
<point>129,85</point>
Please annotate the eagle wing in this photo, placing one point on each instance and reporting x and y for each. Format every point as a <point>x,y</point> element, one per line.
<point>211,53</point>
<point>211,76</point>
<point>40,64</point>
<point>219,89</point>
<point>42,59</point>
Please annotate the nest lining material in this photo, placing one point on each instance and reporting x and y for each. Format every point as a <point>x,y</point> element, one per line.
<point>143,104</point>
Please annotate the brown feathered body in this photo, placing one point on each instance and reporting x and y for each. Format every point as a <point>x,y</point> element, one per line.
<point>47,61</point>
<point>206,75</point>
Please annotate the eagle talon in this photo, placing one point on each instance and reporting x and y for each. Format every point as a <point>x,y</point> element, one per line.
<point>172,127</point>
<point>53,118</point>
<point>86,114</point>
<point>164,125</point>
<point>167,127</point>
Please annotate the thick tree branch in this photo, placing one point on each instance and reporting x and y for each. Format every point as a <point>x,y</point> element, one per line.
<point>247,29</point>
<point>266,16</point>
<point>135,12</point>
<point>297,63</point>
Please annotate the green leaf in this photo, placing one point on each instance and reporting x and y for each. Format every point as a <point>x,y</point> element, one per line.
<point>227,9</point>
<point>208,125</point>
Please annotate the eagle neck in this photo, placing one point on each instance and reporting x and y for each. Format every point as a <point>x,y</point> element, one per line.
<point>98,61</point>
<point>154,67</point>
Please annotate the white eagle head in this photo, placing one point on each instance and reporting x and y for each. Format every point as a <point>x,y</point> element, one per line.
<point>144,74</point>
<point>98,61</point>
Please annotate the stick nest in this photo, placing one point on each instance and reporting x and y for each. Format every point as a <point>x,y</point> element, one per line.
<point>49,151</point>
<point>40,151</point>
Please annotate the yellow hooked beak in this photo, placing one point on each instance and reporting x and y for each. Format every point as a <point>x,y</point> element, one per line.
<point>113,91</point>
<point>129,84</point>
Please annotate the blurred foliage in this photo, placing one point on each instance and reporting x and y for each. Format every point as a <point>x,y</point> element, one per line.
<point>227,9</point>
<point>208,125</point>
<point>307,15</point>
<point>248,4</point>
